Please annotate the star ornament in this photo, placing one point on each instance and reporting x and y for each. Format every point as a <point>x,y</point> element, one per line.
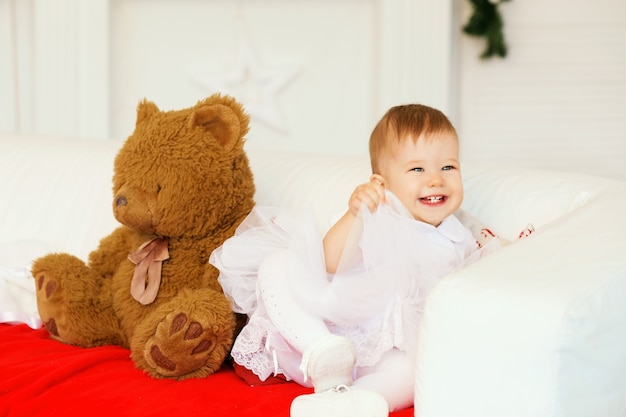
<point>254,85</point>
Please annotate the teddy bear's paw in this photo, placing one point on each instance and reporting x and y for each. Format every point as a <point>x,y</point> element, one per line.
<point>179,346</point>
<point>50,300</point>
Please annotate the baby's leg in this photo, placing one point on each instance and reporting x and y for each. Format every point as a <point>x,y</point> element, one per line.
<point>300,328</point>
<point>393,377</point>
<point>328,360</point>
<point>290,361</point>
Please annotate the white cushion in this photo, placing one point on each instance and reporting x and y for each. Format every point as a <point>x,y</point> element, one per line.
<point>510,199</point>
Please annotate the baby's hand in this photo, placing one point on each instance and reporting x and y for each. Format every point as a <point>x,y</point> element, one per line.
<point>371,193</point>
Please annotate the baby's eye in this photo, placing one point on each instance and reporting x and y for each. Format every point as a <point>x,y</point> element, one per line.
<point>448,168</point>
<point>417,169</point>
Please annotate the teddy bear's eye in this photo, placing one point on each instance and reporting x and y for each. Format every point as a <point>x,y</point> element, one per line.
<point>159,187</point>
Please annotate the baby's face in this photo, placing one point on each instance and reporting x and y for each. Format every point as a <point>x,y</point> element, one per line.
<point>426,176</point>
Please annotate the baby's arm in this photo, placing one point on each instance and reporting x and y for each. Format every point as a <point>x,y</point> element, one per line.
<point>371,194</point>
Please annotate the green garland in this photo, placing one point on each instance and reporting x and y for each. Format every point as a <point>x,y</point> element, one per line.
<point>486,22</point>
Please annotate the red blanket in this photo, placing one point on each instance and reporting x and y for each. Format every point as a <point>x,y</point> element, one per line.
<point>42,377</point>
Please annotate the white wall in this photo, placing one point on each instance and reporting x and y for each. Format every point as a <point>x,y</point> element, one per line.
<point>558,100</point>
<point>7,69</point>
<point>316,75</point>
<point>54,59</point>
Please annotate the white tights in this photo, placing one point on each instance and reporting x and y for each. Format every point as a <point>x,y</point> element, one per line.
<point>392,377</point>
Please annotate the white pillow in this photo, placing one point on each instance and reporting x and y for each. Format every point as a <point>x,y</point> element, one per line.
<point>508,200</point>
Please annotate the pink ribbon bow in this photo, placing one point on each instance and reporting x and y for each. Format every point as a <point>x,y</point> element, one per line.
<point>148,260</point>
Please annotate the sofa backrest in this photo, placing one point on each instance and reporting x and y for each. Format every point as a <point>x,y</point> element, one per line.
<point>57,192</point>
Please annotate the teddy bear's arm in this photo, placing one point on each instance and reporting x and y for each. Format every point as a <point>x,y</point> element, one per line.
<point>112,251</point>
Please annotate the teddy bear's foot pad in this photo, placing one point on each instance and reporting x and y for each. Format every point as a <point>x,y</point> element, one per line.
<point>49,299</point>
<point>180,347</point>
<point>51,327</point>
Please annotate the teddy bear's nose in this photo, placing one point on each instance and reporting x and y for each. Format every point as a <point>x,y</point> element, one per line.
<point>121,201</point>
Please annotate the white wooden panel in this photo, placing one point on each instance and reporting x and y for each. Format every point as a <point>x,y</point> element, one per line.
<point>70,50</point>
<point>55,69</point>
<point>92,47</point>
<point>24,87</point>
<point>558,100</point>
<point>317,75</point>
<point>162,50</point>
<point>336,65</point>
<point>8,116</point>
<point>416,52</point>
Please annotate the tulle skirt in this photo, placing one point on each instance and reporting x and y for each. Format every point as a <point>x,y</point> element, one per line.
<point>376,297</point>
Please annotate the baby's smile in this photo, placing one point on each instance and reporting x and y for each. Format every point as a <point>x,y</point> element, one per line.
<point>434,199</point>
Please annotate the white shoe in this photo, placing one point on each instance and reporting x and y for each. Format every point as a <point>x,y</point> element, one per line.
<point>329,363</point>
<point>340,402</point>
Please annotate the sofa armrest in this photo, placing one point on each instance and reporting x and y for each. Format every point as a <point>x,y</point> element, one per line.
<point>536,329</point>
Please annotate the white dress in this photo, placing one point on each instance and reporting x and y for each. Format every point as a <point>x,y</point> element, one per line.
<point>376,298</point>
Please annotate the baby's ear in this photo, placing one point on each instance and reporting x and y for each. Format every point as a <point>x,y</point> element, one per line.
<point>378,179</point>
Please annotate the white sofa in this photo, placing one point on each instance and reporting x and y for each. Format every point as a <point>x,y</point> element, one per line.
<point>535,329</point>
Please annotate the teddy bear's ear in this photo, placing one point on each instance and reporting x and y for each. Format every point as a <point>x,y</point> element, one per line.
<point>221,121</point>
<point>145,109</point>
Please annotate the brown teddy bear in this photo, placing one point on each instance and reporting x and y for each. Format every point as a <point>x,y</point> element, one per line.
<point>181,186</point>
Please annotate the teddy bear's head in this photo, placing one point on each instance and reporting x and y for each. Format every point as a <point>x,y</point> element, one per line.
<point>184,172</point>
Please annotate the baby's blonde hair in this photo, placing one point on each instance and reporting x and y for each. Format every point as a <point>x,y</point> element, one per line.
<point>403,122</point>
